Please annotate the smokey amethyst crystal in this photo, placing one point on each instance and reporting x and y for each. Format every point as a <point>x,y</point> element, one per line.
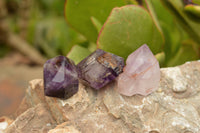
<point>100,68</point>
<point>60,77</point>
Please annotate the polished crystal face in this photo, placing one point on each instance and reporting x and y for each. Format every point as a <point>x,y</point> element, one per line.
<point>60,77</point>
<point>100,68</point>
<point>141,74</point>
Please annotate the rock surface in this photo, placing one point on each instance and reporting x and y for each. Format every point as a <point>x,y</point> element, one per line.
<point>4,122</point>
<point>36,119</point>
<point>174,107</point>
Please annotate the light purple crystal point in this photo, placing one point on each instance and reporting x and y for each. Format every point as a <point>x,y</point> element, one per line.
<point>141,74</point>
<point>100,68</point>
<point>60,77</point>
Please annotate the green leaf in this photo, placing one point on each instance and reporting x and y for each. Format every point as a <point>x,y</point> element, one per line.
<point>196,1</point>
<point>78,13</point>
<point>78,53</point>
<point>173,33</point>
<point>195,10</point>
<point>126,29</point>
<point>129,2</point>
<point>55,37</point>
<point>150,7</point>
<point>189,23</point>
<point>161,58</point>
<point>161,12</point>
<point>187,52</point>
<point>96,23</point>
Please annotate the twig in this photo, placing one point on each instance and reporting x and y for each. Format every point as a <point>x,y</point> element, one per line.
<point>23,47</point>
<point>15,41</point>
<point>24,15</point>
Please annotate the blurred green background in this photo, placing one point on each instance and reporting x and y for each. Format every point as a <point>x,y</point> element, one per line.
<point>43,29</point>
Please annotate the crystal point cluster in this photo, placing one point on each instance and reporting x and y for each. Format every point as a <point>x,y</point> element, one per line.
<point>60,77</point>
<point>100,68</point>
<point>141,74</point>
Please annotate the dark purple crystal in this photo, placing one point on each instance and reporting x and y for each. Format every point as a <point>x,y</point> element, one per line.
<point>60,77</point>
<point>100,68</point>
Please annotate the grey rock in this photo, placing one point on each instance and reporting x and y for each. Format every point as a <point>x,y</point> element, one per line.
<point>35,120</point>
<point>174,107</point>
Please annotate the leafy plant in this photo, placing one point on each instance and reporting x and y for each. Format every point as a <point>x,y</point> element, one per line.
<point>80,14</point>
<point>126,29</point>
<point>78,53</point>
<point>170,28</point>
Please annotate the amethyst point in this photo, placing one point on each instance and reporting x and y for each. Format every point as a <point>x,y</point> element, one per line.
<point>100,68</point>
<point>60,77</point>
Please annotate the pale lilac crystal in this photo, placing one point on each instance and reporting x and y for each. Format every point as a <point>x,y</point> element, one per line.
<point>100,68</point>
<point>60,77</point>
<point>141,74</point>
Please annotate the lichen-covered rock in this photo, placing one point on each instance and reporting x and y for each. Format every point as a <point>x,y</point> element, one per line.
<point>174,107</point>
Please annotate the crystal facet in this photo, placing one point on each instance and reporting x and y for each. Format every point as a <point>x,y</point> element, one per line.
<point>100,68</point>
<point>60,77</point>
<point>141,74</point>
